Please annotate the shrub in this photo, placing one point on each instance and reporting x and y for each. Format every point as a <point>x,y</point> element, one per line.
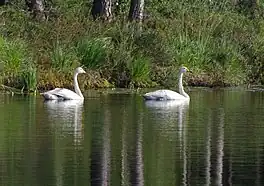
<point>139,70</point>
<point>18,67</point>
<point>29,77</point>
<point>62,58</point>
<point>92,52</point>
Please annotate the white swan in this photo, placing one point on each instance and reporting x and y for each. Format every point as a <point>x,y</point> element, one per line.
<point>66,94</point>
<point>168,94</point>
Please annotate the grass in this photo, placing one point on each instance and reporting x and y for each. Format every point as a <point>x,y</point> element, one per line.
<point>29,77</point>
<point>18,68</point>
<point>92,52</point>
<point>63,58</point>
<point>221,43</point>
<point>139,70</point>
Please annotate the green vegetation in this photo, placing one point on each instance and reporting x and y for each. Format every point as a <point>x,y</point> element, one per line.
<point>222,43</point>
<point>18,67</point>
<point>92,52</point>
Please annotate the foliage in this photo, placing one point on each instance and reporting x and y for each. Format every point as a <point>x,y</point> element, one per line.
<point>255,58</point>
<point>62,58</point>
<point>29,77</point>
<point>139,70</point>
<point>92,52</point>
<point>18,67</point>
<point>12,54</point>
<point>220,41</point>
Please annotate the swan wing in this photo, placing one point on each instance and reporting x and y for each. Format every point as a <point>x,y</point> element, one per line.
<point>50,95</point>
<point>163,95</point>
<point>52,91</point>
<point>61,93</point>
<point>67,94</point>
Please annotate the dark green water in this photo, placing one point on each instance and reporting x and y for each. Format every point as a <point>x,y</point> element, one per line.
<point>118,139</point>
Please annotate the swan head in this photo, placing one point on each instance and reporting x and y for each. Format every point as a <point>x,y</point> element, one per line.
<point>79,70</point>
<point>183,69</point>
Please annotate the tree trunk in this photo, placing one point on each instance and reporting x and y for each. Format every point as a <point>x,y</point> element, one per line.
<point>136,13</point>
<point>249,7</point>
<point>37,7</point>
<point>102,9</point>
<point>136,10</point>
<point>3,2</point>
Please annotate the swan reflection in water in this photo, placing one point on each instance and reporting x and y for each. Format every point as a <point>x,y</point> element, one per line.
<point>66,116</point>
<point>168,112</point>
<point>167,105</point>
<point>171,116</point>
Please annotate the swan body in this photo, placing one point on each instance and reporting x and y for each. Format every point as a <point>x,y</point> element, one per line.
<point>169,94</point>
<point>163,95</point>
<point>66,94</point>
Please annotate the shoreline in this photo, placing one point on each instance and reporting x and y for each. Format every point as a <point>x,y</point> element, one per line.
<point>13,90</point>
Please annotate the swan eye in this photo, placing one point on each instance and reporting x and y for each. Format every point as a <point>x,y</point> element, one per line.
<point>186,69</point>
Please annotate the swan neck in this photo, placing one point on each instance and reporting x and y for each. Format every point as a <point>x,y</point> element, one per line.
<point>76,85</point>
<point>181,90</point>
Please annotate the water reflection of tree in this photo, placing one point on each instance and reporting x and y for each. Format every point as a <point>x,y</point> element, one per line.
<point>119,158</point>
<point>231,131</point>
<point>132,167</point>
<point>101,148</point>
<point>206,167</point>
<point>106,161</point>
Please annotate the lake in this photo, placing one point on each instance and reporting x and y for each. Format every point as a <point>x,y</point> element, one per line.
<point>115,138</point>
